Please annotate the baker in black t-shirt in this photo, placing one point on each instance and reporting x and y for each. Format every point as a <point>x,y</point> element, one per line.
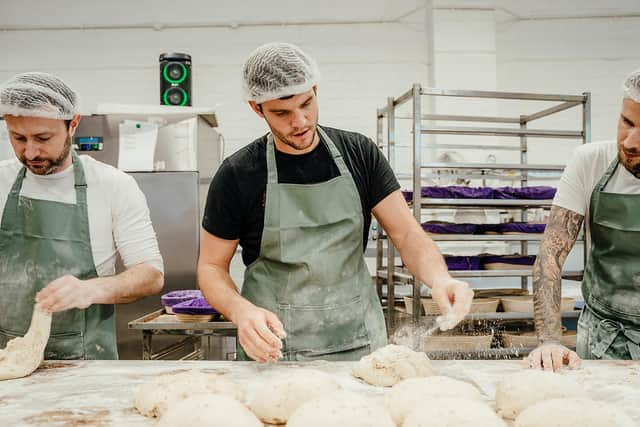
<point>299,201</point>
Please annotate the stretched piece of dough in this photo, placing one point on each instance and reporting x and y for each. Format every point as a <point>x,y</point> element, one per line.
<point>343,408</point>
<point>279,398</point>
<point>391,364</point>
<point>571,413</point>
<point>412,393</point>
<point>518,391</point>
<point>453,412</point>
<point>153,398</point>
<point>23,355</point>
<point>208,410</point>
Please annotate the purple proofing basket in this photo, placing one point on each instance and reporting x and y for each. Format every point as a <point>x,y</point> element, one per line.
<point>521,227</point>
<point>462,262</point>
<point>508,259</point>
<point>194,306</point>
<point>176,297</point>
<point>448,228</point>
<point>528,193</point>
<point>488,228</point>
<point>451,192</point>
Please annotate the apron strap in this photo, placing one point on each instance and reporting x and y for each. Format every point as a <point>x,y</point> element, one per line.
<point>608,174</point>
<point>608,330</point>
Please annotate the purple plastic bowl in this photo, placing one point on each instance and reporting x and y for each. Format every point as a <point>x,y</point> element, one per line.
<point>529,193</point>
<point>448,228</point>
<point>175,297</point>
<point>509,259</point>
<point>194,306</point>
<point>462,262</point>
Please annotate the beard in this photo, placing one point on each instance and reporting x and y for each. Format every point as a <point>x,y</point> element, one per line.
<point>632,165</point>
<point>288,139</point>
<point>48,166</point>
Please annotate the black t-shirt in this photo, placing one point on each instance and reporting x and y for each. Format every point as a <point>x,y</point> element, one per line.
<point>235,203</point>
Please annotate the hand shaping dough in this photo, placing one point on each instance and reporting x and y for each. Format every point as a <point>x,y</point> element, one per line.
<point>153,399</point>
<point>208,410</point>
<point>518,391</point>
<point>452,412</point>
<point>409,394</point>
<point>571,413</point>
<point>23,355</point>
<point>342,408</point>
<point>279,398</point>
<point>391,364</point>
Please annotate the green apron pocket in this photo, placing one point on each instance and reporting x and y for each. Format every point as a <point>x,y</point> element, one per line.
<point>315,330</point>
<point>65,346</point>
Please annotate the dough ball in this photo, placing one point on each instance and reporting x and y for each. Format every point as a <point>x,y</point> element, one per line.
<point>342,408</point>
<point>518,391</point>
<point>208,410</point>
<point>452,412</point>
<point>275,402</point>
<point>391,364</point>
<point>153,398</point>
<point>409,394</point>
<point>23,355</point>
<point>571,413</point>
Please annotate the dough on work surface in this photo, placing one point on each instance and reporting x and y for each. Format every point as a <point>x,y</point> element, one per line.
<point>391,364</point>
<point>208,410</point>
<point>278,398</point>
<point>452,412</point>
<point>415,392</point>
<point>153,398</point>
<point>23,355</point>
<point>342,408</point>
<point>518,391</point>
<point>573,413</point>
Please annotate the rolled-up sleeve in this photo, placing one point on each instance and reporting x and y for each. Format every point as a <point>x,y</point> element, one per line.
<point>133,231</point>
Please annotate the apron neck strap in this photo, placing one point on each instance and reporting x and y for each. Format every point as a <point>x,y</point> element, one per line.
<point>272,170</point>
<point>608,174</point>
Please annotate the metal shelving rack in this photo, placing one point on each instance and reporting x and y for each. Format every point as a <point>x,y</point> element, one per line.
<point>518,127</point>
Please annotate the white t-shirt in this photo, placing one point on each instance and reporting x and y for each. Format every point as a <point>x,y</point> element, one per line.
<point>582,174</point>
<point>118,212</point>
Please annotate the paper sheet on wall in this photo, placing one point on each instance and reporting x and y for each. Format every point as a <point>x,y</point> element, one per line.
<point>137,146</point>
<point>176,145</point>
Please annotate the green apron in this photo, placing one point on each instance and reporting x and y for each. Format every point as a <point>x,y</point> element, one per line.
<point>609,325</point>
<point>40,241</point>
<point>311,270</point>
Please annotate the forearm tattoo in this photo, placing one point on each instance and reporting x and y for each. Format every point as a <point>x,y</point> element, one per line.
<point>559,237</point>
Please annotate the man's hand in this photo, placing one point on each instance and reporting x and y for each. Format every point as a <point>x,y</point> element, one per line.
<point>552,356</point>
<point>65,293</point>
<point>454,299</point>
<point>258,332</point>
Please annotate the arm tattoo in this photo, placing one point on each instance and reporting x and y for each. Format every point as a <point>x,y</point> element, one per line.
<point>559,237</point>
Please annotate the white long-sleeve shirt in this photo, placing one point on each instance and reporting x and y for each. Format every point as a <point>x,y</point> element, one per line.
<point>119,219</point>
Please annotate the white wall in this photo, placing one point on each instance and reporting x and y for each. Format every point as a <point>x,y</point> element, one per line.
<point>362,62</point>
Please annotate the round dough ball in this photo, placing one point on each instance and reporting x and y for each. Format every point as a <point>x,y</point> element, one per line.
<point>518,391</point>
<point>409,394</point>
<point>153,398</point>
<point>275,402</point>
<point>208,410</point>
<point>341,409</point>
<point>452,412</point>
<point>571,413</point>
<point>391,364</point>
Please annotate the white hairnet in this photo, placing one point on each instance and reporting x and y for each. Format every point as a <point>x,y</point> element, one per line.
<point>631,86</point>
<point>38,95</point>
<point>276,70</point>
